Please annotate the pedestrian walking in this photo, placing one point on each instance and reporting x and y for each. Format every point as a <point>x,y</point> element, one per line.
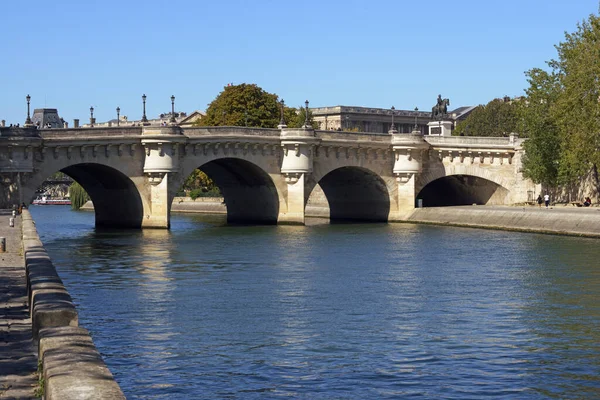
<point>547,199</point>
<point>540,200</point>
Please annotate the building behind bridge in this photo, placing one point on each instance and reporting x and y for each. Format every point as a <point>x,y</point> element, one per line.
<point>379,120</point>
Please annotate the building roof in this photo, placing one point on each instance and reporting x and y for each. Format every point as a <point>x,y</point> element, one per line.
<point>192,117</point>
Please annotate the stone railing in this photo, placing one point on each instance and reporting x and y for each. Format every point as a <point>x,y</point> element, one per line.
<point>230,131</point>
<point>78,133</point>
<point>72,368</point>
<point>464,141</point>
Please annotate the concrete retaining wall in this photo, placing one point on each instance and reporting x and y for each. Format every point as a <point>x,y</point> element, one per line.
<point>72,367</point>
<point>562,220</point>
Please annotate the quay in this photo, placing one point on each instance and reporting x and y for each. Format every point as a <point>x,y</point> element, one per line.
<point>18,352</point>
<point>558,219</point>
<point>39,326</point>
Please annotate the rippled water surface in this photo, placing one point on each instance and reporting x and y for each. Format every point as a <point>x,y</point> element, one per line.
<point>363,311</point>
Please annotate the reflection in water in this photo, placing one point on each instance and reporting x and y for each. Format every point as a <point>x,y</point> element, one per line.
<point>333,311</point>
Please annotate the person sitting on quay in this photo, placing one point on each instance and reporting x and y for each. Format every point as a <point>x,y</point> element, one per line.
<point>587,202</point>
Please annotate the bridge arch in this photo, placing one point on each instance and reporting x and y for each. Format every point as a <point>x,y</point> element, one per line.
<point>354,193</point>
<point>250,193</point>
<point>461,185</point>
<point>116,198</point>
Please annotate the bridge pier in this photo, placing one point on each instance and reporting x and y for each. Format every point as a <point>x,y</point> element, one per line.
<point>158,214</point>
<point>161,146</point>
<point>295,200</point>
<point>297,145</point>
<point>408,163</point>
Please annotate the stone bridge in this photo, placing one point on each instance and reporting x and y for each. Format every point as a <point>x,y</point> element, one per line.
<point>265,175</point>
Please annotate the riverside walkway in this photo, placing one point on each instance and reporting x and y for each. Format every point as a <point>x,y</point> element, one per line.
<point>18,353</point>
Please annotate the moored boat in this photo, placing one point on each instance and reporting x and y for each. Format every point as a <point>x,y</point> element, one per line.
<point>45,201</point>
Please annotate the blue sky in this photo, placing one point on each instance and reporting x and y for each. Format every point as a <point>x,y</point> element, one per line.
<point>73,54</point>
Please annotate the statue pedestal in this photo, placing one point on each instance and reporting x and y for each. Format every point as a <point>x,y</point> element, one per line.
<point>440,128</point>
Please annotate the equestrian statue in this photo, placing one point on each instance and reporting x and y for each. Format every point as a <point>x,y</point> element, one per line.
<point>440,109</point>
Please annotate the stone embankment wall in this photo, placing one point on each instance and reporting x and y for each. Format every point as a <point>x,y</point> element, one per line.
<point>72,367</point>
<point>560,219</point>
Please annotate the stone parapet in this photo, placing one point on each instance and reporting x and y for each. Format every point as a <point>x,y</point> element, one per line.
<point>73,368</point>
<point>49,302</point>
<point>230,131</point>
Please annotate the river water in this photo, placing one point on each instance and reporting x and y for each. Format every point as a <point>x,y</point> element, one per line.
<point>208,311</point>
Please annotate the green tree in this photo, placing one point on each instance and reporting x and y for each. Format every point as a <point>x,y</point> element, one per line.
<point>198,179</point>
<point>497,118</point>
<point>562,116</point>
<point>577,108</point>
<point>78,196</point>
<point>296,118</point>
<point>250,105</point>
<point>241,105</point>
<point>542,148</point>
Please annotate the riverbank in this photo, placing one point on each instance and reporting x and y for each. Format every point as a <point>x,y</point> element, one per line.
<point>18,352</point>
<point>558,219</point>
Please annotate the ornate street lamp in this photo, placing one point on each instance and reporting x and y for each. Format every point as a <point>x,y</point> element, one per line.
<point>144,119</point>
<point>416,116</point>
<point>118,113</point>
<point>91,117</point>
<point>28,120</point>
<point>173,120</point>
<point>346,118</point>
<point>306,125</point>
<point>282,119</point>
<point>393,128</point>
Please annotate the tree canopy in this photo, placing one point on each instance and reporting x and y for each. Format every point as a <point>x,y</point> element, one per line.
<point>496,118</point>
<point>243,105</point>
<point>561,115</point>
<point>249,105</point>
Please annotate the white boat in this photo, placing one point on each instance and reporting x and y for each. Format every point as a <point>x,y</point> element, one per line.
<point>46,201</point>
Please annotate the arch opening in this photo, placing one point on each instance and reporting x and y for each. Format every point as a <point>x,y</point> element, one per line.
<point>356,195</point>
<point>249,193</point>
<point>117,201</point>
<point>461,190</point>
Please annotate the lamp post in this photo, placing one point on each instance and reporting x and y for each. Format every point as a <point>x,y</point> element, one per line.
<point>144,119</point>
<point>173,120</point>
<point>28,120</point>
<point>223,120</point>
<point>91,116</point>
<point>416,116</point>
<point>393,127</point>
<point>246,117</point>
<point>346,118</point>
<point>118,113</point>
<point>306,125</point>
<point>282,119</point>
